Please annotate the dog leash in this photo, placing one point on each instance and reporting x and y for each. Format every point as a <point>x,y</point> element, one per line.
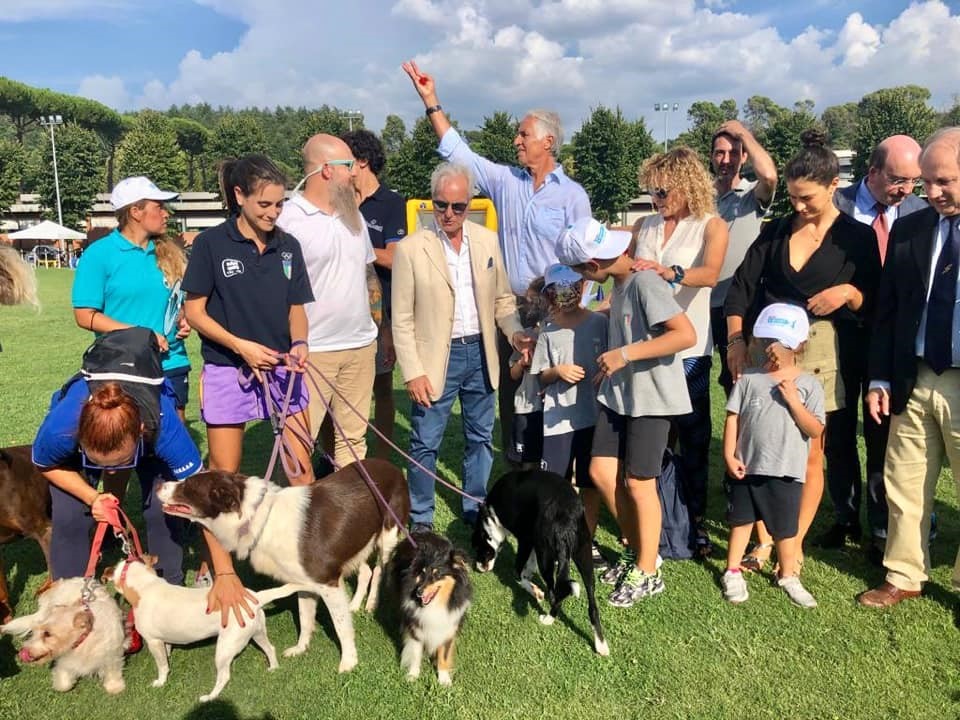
<point>123,531</point>
<point>311,368</point>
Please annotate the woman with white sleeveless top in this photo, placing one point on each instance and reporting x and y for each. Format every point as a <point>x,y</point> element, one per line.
<point>685,242</point>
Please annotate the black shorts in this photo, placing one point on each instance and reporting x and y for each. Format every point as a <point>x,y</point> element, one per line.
<point>562,452</point>
<point>638,442</point>
<point>180,379</point>
<point>775,500</point>
<point>526,438</point>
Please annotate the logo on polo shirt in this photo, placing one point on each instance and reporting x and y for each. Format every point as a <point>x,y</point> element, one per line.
<point>231,267</point>
<point>286,258</point>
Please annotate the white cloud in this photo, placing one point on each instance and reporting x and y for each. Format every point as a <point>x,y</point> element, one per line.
<point>489,55</point>
<point>32,10</point>
<point>111,91</point>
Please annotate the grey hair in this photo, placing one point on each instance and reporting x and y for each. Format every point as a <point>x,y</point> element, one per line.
<point>547,122</point>
<point>946,135</point>
<point>447,170</point>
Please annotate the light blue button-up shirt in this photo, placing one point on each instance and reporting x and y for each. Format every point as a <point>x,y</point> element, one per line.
<point>530,222</point>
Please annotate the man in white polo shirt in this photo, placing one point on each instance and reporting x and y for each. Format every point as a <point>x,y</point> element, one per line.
<point>344,316</point>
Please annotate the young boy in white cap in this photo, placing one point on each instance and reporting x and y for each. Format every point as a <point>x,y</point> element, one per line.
<point>642,386</point>
<point>772,414</point>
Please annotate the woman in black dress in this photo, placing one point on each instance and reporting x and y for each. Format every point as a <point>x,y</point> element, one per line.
<point>822,260</point>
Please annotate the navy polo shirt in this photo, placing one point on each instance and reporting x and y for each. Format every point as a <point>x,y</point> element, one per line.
<point>386,215</point>
<point>56,441</point>
<point>247,292</point>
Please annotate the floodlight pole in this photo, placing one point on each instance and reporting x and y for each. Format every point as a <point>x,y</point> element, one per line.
<point>52,121</point>
<point>666,109</point>
<point>351,115</point>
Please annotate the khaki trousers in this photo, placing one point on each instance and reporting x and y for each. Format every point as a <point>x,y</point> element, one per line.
<point>928,428</point>
<point>351,372</point>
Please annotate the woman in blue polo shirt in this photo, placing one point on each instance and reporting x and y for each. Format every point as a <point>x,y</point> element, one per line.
<point>246,286</point>
<point>86,437</point>
<point>132,277</point>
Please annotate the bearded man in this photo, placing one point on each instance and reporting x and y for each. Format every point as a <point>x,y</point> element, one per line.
<point>347,309</point>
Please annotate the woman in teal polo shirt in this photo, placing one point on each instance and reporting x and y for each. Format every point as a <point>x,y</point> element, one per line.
<point>132,277</point>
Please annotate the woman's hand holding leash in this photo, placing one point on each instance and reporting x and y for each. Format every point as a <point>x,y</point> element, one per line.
<point>258,357</point>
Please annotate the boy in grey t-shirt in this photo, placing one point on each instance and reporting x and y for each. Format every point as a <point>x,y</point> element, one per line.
<point>642,385</point>
<point>772,414</point>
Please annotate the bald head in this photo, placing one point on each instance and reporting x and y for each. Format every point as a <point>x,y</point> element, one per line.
<point>940,164</point>
<point>323,148</point>
<point>894,169</point>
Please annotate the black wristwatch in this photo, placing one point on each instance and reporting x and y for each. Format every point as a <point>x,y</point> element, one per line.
<point>679,273</point>
<point>432,109</point>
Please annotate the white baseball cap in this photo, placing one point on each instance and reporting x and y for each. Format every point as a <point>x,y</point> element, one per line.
<point>558,274</point>
<point>134,189</point>
<point>588,239</point>
<point>787,324</point>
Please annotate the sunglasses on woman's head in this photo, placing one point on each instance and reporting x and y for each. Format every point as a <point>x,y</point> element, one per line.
<point>132,463</point>
<point>441,206</point>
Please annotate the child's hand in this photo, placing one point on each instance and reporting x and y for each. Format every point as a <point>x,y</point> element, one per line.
<point>570,373</point>
<point>735,467</point>
<point>788,389</point>
<point>611,361</point>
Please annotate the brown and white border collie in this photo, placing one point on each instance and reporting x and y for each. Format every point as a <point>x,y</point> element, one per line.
<point>435,594</point>
<point>313,535</point>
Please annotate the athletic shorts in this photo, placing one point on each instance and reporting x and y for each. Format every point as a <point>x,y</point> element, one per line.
<point>180,381</point>
<point>638,442</point>
<point>229,396</point>
<point>526,438</point>
<point>567,452</point>
<point>775,500</point>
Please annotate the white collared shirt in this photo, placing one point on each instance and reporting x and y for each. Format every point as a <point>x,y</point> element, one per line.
<point>466,319</point>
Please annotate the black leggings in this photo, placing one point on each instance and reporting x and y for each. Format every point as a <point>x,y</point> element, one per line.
<point>693,432</point>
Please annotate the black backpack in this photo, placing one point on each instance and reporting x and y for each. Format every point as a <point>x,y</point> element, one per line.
<point>130,357</point>
<point>676,529</point>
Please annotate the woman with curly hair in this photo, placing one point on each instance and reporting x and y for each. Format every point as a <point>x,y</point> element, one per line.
<point>685,242</point>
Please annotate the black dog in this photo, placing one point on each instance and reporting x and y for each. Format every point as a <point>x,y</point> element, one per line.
<point>435,594</point>
<point>545,514</point>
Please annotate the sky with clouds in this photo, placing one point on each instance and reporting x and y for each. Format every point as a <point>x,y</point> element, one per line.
<point>486,55</point>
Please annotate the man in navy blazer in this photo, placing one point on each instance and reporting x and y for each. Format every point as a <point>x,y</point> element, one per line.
<point>879,199</point>
<point>914,368</point>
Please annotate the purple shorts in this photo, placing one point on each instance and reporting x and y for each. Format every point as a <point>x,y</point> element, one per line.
<point>230,397</point>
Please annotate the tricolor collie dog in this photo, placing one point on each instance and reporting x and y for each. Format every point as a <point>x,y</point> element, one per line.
<point>545,514</point>
<point>312,536</point>
<point>168,615</point>
<point>80,631</point>
<point>435,594</point>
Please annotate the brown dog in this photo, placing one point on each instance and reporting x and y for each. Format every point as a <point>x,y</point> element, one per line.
<point>24,510</point>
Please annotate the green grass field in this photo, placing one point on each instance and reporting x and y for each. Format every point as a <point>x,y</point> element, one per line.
<point>684,654</point>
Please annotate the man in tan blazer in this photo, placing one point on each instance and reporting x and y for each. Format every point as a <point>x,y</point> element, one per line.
<point>450,292</point>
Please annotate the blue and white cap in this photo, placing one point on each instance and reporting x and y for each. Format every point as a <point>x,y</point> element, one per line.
<point>587,239</point>
<point>787,324</point>
<point>558,274</point>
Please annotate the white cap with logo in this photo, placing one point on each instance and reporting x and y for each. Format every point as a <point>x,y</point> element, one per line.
<point>587,239</point>
<point>134,189</point>
<point>785,323</point>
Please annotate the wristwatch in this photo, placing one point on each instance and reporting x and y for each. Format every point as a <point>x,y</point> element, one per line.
<point>680,274</point>
<point>432,109</point>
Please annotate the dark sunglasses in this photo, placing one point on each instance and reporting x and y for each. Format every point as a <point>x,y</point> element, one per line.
<point>132,463</point>
<point>660,193</point>
<point>442,205</point>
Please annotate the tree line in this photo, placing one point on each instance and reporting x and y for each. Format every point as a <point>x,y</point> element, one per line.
<point>182,147</point>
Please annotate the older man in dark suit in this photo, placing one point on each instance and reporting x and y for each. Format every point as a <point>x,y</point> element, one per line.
<point>915,368</point>
<point>879,199</point>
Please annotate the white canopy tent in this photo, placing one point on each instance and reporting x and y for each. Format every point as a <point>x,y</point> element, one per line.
<point>29,239</point>
<point>47,230</point>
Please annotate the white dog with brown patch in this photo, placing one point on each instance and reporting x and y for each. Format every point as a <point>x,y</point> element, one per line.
<point>79,627</point>
<point>168,615</point>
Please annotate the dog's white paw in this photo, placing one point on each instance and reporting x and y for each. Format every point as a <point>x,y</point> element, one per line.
<point>547,619</point>
<point>207,698</point>
<point>601,646</point>
<point>294,651</point>
<point>113,687</point>
<point>159,682</point>
<point>413,675</point>
<point>346,664</point>
<point>575,589</point>
<point>443,677</point>
<point>63,681</point>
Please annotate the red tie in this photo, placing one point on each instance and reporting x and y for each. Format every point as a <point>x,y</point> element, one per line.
<point>879,226</point>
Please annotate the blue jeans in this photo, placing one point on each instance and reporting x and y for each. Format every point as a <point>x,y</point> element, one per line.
<point>467,379</point>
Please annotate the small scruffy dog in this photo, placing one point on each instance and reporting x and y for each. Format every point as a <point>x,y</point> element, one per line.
<point>435,594</point>
<point>80,635</point>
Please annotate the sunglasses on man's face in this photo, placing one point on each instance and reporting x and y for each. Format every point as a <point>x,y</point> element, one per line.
<point>132,463</point>
<point>348,164</point>
<point>458,208</point>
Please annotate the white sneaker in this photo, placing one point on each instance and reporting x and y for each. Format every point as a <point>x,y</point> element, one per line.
<point>795,590</point>
<point>735,587</point>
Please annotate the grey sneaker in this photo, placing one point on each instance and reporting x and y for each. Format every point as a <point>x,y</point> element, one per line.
<point>792,587</point>
<point>735,587</point>
<point>636,585</point>
<point>613,573</point>
<point>600,563</point>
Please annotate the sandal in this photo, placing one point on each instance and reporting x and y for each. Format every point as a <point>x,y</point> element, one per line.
<point>757,557</point>
<point>703,548</point>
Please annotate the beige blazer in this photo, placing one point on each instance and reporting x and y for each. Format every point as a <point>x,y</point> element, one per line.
<point>423,302</point>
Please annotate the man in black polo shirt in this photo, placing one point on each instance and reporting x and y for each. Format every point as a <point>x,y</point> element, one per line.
<point>385,214</point>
